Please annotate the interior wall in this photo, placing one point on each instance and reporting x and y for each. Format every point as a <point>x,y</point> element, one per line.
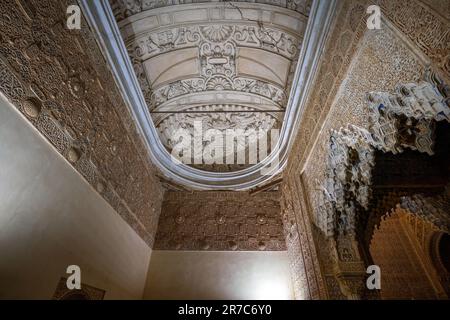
<point>50,217</point>
<point>220,220</point>
<point>382,60</point>
<point>218,275</point>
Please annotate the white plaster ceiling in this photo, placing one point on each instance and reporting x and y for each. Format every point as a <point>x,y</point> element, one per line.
<point>233,60</point>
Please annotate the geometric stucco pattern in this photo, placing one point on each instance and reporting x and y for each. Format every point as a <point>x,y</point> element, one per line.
<point>398,253</point>
<point>420,23</point>
<point>125,8</point>
<point>306,274</point>
<point>84,293</point>
<point>366,74</point>
<point>59,80</point>
<point>224,221</point>
<point>404,119</point>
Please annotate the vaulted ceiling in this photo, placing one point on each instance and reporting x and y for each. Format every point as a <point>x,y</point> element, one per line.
<point>228,65</point>
<point>246,65</point>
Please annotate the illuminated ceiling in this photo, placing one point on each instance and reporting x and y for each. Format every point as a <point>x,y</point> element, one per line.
<point>229,65</point>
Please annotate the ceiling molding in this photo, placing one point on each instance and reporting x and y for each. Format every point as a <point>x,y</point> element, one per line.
<point>101,19</point>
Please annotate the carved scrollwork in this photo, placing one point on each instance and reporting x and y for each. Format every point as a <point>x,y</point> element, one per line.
<point>401,120</point>
<point>59,79</point>
<point>220,58</point>
<point>405,118</point>
<point>217,82</point>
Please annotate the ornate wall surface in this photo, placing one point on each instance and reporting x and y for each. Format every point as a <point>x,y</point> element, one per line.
<point>221,221</point>
<point>59,80</point>
<point>423,26</point>
<point>400,246</point>
<point>356,61</point>
<point>124,8</point>
<point>222,64</point>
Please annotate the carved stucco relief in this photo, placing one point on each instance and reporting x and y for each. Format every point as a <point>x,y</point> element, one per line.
<point>306,274</point>
<point>402,246</point>
<point>125,8</point>
<point>241,54</point>
<point>413,22</point>
<point>356,86</point>
<point>58,79</point>
<point>225,221</point>
<point>373,70</point>
<point>404,119</point>
<point>382,60</point>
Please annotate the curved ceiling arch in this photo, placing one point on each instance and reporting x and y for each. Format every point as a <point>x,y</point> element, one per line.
<point>215,60</point>
<point>265,66</point>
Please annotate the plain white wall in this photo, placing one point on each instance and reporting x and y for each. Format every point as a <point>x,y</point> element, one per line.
<point>50,217</point>
<point>219,275</point>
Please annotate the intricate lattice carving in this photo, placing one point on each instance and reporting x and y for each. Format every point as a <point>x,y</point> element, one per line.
<point>305,271</point>
<point>381,60</point>
<point>434,209</point>
<point>345,194</point>
<point>413,22</point>
<point>226,221</point>
<point>125,8</point>
<point>405,118</point>
<point>347,185</point>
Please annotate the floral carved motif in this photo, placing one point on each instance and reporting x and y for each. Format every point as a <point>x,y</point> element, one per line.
<point>225,221</point>
<point>58,78</point>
